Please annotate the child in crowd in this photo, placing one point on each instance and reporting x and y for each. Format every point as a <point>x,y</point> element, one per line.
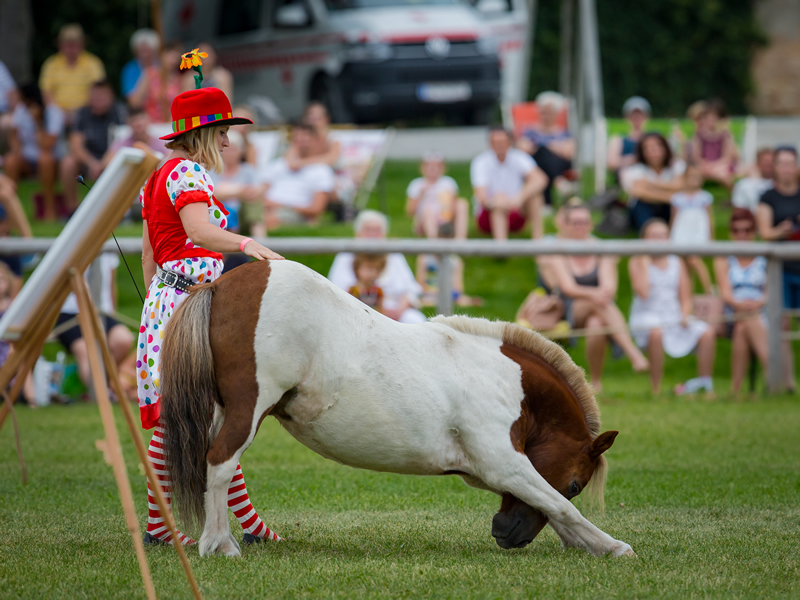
<point>692,220</point>
<point>713,148</point>
<point>433,201</point>
<point>367,269</point>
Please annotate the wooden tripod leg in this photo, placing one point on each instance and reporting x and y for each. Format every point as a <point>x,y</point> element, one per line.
<point>111,445</point>
<point>141,450</point>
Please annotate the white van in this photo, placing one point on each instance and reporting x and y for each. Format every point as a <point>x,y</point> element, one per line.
<point>367,60</point>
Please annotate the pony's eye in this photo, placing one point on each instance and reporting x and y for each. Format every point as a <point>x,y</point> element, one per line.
<point>574,489</point>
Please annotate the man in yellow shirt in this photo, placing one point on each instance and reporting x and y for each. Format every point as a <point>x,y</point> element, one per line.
<point>68,75</point>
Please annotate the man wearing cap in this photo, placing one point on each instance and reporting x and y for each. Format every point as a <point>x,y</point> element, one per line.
<point>68,75</point>
<point>622,149</point>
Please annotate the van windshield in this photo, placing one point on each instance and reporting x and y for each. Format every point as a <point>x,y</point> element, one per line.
<point>350,4</point>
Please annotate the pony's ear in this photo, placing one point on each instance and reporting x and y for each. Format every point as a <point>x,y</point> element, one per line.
<point>602,443</point>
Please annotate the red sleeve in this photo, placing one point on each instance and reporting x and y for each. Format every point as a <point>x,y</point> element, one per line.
<point>150,414</point>
<point>191,197</point>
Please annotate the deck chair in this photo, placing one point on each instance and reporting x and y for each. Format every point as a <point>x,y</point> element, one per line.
<point>363,153</point>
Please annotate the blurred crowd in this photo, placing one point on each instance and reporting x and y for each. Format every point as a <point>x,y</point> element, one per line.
<point>71,123</point>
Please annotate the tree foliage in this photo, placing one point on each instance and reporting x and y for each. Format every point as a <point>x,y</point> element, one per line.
<point>672,52</point>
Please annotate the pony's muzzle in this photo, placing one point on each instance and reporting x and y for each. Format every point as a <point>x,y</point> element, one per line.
<point>517,527</point>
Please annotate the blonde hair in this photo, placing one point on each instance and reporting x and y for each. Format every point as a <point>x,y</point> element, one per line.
<point>201,146</point>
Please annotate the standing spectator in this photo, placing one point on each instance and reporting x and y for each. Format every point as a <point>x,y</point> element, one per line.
<point>747,191</point>
<point>588,287</point>
<point>214,75</point>
<point>88,140</point>
<point>661,315</point>
<point>400,289</point>
<point>508,188</point>
<point>742,284</point>
<point>432,200</point>
<point>149,93</point>
<point>693,221</point>
<point>35,144</point>
<point>321,148</point>
<point>622,149</point>
<point>549,143</point>
<point>713,146</point>
<point>68,75</point>
<point>298,196</point>
<point>778,220</point>
<point>652,180</point>
<point>145,45</point>
<point>120,338</point>
<point>7,86</point>
<point>139,122</point>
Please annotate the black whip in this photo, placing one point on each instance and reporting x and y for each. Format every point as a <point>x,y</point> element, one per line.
<point>80,180</point>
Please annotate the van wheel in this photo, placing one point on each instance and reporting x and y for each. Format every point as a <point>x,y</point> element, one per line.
<point>327,90</point>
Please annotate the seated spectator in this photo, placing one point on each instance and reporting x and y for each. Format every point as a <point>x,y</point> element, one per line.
<point>35,144</point>
<point>67,76</point>
<point>214,75</point>
<point>661,315</point>
<point>321,148</point>
<point>713,146</point>
<point>148,93</point>
<point>693,220</point>
<point>432,200</point>
<point>588,287</point>
<point>622,149</point>
<point>743,287</point>
<point>139,122</point>
<point>400,290</point>
<point>748,191</point>
<point>88,139</point>
<point>778,219</point>
<point>508,188</point>
<point>550,144</point>
<point>297,196</point>
<point>238,188</point>
<point>244,130</point>
<point>12,218</point>
<point>367,269</point>
<point>145,45</point>
<point>652,180</point>
<point>120,338</point>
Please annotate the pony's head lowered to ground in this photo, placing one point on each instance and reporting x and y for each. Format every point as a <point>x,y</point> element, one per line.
<point>558,429</point>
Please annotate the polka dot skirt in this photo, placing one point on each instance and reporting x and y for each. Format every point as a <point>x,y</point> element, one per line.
<point>159,306</point>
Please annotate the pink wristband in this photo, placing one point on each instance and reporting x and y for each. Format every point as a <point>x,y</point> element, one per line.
<point>244,243</point>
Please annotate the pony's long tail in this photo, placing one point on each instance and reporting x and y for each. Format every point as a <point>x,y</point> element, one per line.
<point>188,396</point>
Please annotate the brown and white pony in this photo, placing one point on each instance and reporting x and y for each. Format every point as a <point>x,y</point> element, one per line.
<point>499,405</point>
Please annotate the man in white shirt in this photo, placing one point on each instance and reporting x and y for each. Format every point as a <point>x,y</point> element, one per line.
<point>508,188</point>
<point>301,196</point>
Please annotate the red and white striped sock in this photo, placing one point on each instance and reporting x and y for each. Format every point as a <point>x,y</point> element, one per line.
<point>239,503</point>
<point>155,522</point>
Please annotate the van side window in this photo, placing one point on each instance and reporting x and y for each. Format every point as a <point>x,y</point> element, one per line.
<point>291,14</point>
<point>239,16</point>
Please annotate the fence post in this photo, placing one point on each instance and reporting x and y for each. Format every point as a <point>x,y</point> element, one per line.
<point>775,319</point>
<point>445,283</point>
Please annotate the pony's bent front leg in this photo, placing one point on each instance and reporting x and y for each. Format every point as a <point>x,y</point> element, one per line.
<point>515,475</point>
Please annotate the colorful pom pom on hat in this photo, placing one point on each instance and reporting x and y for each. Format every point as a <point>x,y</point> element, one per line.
<point>206,107</point>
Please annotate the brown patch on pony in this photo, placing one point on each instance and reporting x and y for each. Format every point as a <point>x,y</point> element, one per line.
<point>560,375</point>
<point>232,326</point>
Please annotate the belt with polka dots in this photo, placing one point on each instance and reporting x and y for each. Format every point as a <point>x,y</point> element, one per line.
<point>173,280</point>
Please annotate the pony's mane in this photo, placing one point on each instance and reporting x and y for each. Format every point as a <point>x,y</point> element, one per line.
<point>555,356</point>
<point>534,342</point>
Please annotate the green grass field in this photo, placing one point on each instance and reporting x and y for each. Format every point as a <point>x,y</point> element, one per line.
<point>706,493</point>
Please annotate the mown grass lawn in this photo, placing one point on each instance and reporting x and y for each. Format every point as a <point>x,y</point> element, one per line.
<point>706,493</point>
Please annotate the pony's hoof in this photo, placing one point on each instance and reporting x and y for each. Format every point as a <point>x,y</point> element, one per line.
<point>624,550</point>
<point>229,546</point>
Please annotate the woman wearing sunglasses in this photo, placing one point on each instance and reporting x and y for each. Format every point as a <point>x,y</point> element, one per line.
<point>742,284</point>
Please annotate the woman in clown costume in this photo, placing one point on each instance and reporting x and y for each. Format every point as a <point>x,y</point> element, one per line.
<point>184,236</point>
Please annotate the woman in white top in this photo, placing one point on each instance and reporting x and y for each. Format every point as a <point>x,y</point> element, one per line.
<point>661,316</point>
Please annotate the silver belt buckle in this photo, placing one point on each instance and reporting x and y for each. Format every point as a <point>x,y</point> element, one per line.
<point>170,278</point>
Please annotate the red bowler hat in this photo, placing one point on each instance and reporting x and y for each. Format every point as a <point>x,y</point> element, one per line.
<point>206,107</point>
